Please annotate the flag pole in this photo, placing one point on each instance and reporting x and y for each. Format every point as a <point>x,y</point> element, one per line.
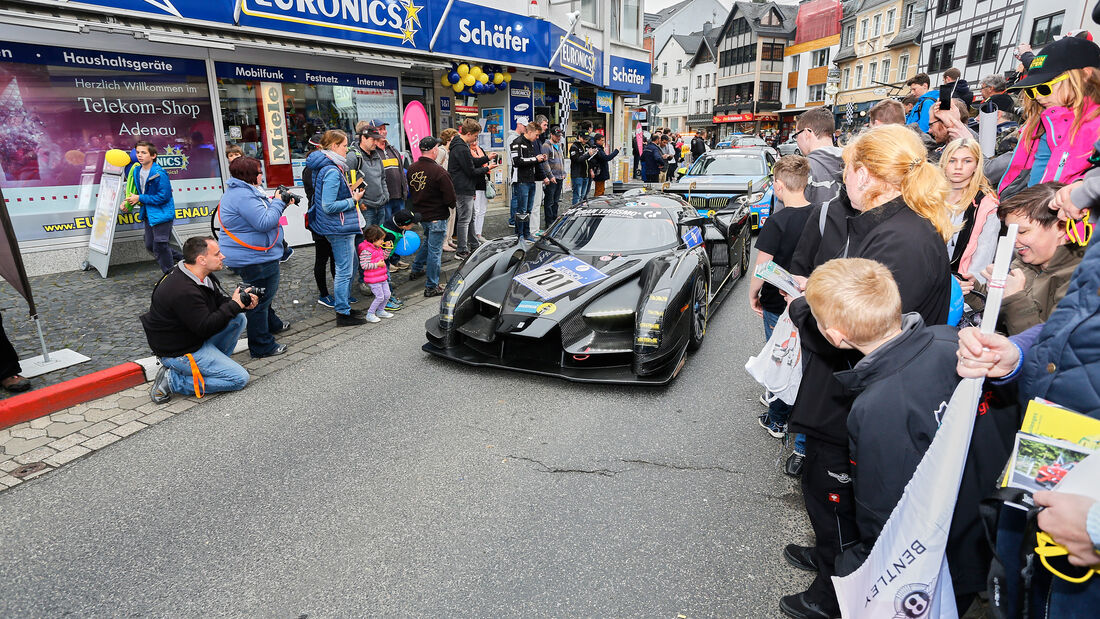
<point>41,339</point>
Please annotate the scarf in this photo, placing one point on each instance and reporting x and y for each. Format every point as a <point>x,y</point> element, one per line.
<point>340,160</point>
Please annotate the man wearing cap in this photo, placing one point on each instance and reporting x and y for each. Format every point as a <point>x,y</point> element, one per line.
<point>433,198</point>
<point>555,161</point>
<point>394,164</point>
<point>368,166</point>
<point>579,155</point>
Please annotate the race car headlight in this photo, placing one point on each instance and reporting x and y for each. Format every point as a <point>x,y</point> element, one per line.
<point>609,313</point>
<point>755,197</point>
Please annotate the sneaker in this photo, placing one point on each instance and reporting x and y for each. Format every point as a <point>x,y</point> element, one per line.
<point>352,300</point>
<point>287,253</point>
<point>161,392</point>
<point>328,300</point>
<point>415,275</point>
<point>793,465</point>
<point>799,607</point>
<point>433,292</point>
<point>801,557</point>
<point>286,327</point>
<point>393,307</point>
<point>764,400</point>
<point>401,266</point>
<point>775,429</point>
<point>481,239</point>
<point>279,349</point>
<point>383,314</point>
<point>372,318</point>
<point>462,255</point>
<point>349,320</point>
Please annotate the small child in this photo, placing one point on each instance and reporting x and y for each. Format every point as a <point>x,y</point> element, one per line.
<point>903,382</point>
<point>372,257</point>
<point>777,241</point>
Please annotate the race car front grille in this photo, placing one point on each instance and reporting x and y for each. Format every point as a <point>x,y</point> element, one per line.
<point>701,202</point>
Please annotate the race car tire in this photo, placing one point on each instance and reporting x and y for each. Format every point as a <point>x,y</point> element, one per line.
<point>699,312</point>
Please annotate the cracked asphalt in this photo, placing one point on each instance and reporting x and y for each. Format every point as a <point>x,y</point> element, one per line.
<point>376,479</point>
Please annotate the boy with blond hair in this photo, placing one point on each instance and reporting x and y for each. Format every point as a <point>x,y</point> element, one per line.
<point>903,384</point>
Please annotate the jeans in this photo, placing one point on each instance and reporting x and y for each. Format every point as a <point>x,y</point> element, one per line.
<point>262,319</point>
<point>219,372</point>
<point>481,205</point>
<point>343,254</point>
<point>464,223</point>
<point>428,258</point>
<point>525,200</point>
<point>158,240</point>
<point>580,189</point>
<point>394,205</point>
<point>551,197</point>
<point>374,215</point>
<point>779,411</point>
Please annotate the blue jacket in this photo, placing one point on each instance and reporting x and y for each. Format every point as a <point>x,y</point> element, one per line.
<point>1061,365</point>
<point>247,214</point>
<point>331,210</point>
<point>653,162</point>
<point>157,204</point>
<point>922,111</point>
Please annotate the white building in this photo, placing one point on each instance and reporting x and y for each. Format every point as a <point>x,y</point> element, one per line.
<point>682,18</point>
<point>974,36</point>
<point>1044,19</point>
<point>673,73</point>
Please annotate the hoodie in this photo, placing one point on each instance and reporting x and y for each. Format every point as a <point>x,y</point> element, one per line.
<point>376,192</point>
<point>826,174</point>
<point>923,109</point>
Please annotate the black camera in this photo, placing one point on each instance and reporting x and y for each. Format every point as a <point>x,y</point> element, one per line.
<point>250,290</point>
<point>288,197</point>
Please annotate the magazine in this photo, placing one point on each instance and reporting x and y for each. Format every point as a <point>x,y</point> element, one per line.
<point>1051,441</point>
<point>779,277</point>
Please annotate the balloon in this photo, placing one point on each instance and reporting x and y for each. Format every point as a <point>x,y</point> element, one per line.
<point>478,87</point>
<point>498,78</point>
<point>458,87</point>
<point>955,306</point>
<point>507,77</point>
<point>483,78</point>
<point>446,82</point>
<point>469,79</point>
<point>118,157</point>
<point>407,244</point>
<point>454,77</point>
<point>463,69</point>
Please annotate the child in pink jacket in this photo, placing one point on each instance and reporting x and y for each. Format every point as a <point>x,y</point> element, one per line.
<point>372,257</point>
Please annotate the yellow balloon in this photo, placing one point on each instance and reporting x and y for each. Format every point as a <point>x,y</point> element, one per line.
<point>118,157</point>
<point>463,69</point>
<point>443,80</point>
<point>498,78</point>
<point>469,79</point>
<point>484,79</point>
<point>458,87</point>
<point>507,77</point>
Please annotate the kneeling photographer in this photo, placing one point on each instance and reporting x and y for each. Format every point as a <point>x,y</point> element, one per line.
<point>251,239</point>
<point>192,325</point>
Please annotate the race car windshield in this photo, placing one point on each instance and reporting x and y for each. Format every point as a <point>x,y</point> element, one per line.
<point>601,233</point>
<point>751,142</point>
<point>728,166</point>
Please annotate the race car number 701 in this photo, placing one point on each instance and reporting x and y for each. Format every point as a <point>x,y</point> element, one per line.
<point>559,277</point>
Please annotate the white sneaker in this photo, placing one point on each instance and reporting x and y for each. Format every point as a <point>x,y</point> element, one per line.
<point>383,314</point>
<point>373,318</point>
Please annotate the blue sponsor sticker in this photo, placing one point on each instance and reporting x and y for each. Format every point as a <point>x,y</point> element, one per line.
<point>528,307</point>
<point>693,237</point>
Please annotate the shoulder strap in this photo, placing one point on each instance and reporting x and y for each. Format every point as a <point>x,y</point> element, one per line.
<point>821,217</point>
<point>278,235</point>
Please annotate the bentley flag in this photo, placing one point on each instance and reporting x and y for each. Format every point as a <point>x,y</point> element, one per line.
<point>11,261</point>
<point>906,573</point>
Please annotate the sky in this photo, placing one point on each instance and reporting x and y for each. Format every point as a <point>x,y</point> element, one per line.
<point>652,6</point>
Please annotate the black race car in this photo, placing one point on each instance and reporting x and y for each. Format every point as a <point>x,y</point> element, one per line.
<point>617,290</point>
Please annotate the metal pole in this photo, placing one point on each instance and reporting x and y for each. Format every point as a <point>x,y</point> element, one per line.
<point>568,33</point>
<point>41,339</point>
<point>439,28</point>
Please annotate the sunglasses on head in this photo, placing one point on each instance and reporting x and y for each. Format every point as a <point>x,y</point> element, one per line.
<point>1044,90</point>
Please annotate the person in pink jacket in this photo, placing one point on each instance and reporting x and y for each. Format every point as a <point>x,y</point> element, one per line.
<point>973,210</point>
<point>1061,99</point>
<point>372,257</point>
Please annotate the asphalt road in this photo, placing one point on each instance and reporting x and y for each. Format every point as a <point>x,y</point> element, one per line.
<point>375,479</point>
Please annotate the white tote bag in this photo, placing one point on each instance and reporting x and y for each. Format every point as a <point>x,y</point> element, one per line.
<point>779,365</point>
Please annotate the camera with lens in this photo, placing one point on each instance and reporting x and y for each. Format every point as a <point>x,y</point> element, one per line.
<point>288,197</point>
<point>250,290</point>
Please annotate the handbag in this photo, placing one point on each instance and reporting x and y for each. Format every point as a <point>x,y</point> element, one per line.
<point>778,367</point>
<point>490,190</point>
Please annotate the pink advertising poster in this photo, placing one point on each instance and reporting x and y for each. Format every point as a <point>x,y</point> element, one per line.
<point>61,109</point>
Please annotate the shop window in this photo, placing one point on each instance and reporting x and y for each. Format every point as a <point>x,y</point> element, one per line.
<point>1044,29</point>
<point>61,110</point>
<point>984,47</point>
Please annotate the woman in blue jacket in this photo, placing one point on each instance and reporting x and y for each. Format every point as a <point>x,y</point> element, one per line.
<point>158,209</point>
<point>251,240</point>
<point>332,214</point>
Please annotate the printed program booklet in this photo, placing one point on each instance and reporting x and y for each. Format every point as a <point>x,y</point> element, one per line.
<point>1052,440</point>
<point>779,277</point>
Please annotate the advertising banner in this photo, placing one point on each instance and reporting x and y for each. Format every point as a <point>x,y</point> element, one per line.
<point>605,101</point>
<point>474,31</point>
<point>732,118</point>
<point>63,108</point>
<point>578,57</point>
<point>629,75</point>
<point>539,93</point>
<point>494,126</point>
<point>521,101</point>
<point>278,151</point>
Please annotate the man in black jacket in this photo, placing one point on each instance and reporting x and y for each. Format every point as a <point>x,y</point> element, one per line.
<point>653,160</point>
<point>698,145</point>
<point>600,172</point>
<point>192,325</point>
<point>465,170</point>
<point>526,171</point>
<point>433,198</point>
<point>580,155</point>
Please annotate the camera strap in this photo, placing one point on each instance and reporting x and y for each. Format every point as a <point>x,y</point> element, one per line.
<point>196,377</point>
<point>242,243</point>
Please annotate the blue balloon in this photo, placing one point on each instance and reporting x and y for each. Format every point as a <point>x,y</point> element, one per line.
<point>955,308</point>
<point>407,244</point>
<point>478,87</point>
<point>454,77</point>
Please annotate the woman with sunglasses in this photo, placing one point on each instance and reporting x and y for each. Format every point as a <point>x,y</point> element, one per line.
<point>1061,100</point>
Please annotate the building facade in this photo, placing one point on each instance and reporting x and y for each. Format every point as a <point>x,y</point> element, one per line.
<point>879,52</point>
<point>808,60</point>
<point>751,45</point>
<point>1044,20</point>
<point>672,71</point>
<point>976,37</point>
<point>703,91</point>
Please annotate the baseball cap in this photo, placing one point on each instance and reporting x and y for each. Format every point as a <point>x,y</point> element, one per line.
<point>378,122</point>
<point>315,140</point>
<point>1058,57</point>
<point>369,132</point>
<point>404,218</point>
<point>428,143</point>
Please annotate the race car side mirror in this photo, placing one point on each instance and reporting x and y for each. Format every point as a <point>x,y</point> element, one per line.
<point>694,221</point>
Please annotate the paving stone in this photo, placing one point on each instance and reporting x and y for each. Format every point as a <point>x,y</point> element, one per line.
<point>19,446</point>
<point>64,417</point>
<point>127,417</point>
<point>264,371</point>
<point>129,428</point>
<point>5,434</point>
<point>59,430</point>
<point>27,432</point>
<point>105,402</point>
<point>35,455</point>
<point>68,455</point>
<point>8,465</point>
<point>9,481</point>
<point>95,415</point>
<point>133,401</point>
<point>150,407</point>
<point>38,424</point>
<point>156,417</point>
<point>180,406</point>
<point>62,444</point>
<point>38,474</point>
<point>101,441</point>
<point>97,429</point>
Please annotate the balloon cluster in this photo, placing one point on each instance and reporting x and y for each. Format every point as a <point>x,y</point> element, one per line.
<point>473,80</point>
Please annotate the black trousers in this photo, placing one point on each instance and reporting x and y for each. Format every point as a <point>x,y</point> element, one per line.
<point>830,503</point>
<point>322,255</point>
<point>9,359</point>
